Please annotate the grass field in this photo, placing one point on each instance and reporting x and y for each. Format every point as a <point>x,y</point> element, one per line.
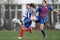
<point>36,35</point>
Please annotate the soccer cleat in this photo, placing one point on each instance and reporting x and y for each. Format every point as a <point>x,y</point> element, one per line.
<point>31,30</point>
<point>45,36</point>
<point>19,37</point>
<point>21,22</point>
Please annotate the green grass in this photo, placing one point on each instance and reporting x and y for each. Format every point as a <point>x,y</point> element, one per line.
<point>36,35</point>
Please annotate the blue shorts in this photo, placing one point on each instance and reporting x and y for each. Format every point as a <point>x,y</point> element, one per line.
<point>41,20</point>
<point>27,22</point>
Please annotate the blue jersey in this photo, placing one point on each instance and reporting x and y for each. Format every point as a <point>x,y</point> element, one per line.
<point>28,13</point>
<point>27,21</point>
<point>43,11</point>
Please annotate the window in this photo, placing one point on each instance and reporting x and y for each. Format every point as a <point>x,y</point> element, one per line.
<point>19,6</point>
<point>19,14</point>
<point>55,6</point>
<point>0,11</point>
<point>59,6</point>
<point>55,17</point>
<point>59,16</point>
<point>7,15</point>
<point>13,14</point>
<point>0,14</point>
<point>13,6</point>
<point>6,6</point>
<point>13,10</point>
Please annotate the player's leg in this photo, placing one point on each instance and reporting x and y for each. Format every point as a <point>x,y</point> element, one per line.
<point>22,32</point>
<point>26,20</point>
<point>29,30</point>
<point>42,25</point>
<point>42,30</point>
<point>24,28</point>
<point>34,18</point>
<point>27,25</point>
<point>37,24</point>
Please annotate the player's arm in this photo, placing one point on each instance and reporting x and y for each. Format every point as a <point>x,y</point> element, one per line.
<point>56,11</point>
<point>51,9</point>
<point>25,15</point>
<point>36,10</point>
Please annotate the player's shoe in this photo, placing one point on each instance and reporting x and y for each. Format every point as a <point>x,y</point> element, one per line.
<point>21,22</point>
<point>19,37</point>
<point>31,30</point>
<point>45,36</point>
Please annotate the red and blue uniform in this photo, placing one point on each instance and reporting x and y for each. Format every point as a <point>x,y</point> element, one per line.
<point>43,13</point>
<point>27,21</point>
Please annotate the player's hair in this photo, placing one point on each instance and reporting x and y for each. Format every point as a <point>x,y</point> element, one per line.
<point>32,5</point>
<point>44,1</point>
<point>28,4</point>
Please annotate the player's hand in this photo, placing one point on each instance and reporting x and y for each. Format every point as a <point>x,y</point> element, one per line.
<point>24,16</point>
<point>58,12</point>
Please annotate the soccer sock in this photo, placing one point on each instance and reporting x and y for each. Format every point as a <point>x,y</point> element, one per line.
<point>21,33</point>
<point>28,29</point>
<point>43,32</point>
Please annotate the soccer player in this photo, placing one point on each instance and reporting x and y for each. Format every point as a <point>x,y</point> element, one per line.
<point>43,13</point>
<point>27,23</point>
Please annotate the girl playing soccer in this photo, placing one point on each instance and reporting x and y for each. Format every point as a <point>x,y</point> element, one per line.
<point>27,21</point>
<point>43,13</point>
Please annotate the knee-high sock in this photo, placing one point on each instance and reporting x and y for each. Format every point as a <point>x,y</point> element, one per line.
<point>43,32</point>
<point>21,33</point>
<point>28,29</point>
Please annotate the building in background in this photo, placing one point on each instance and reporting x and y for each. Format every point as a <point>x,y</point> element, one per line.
<point>10,9</point>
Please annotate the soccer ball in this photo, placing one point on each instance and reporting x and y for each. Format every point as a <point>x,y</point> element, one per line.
<point>14,20</point>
